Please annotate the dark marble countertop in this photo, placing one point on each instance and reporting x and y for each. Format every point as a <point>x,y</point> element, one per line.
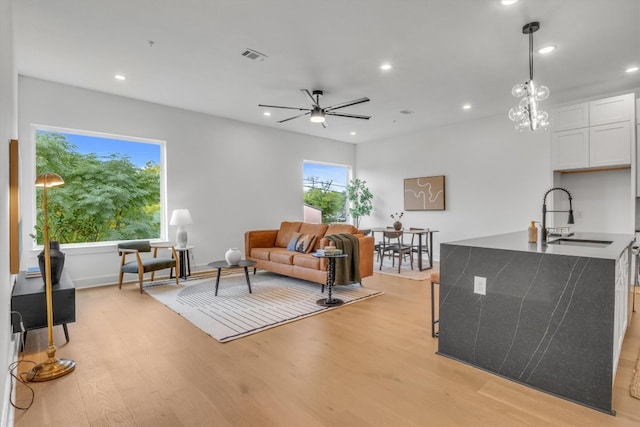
<point>518,241</point>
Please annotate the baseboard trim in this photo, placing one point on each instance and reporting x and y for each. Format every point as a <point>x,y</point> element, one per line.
<point>8,411</point>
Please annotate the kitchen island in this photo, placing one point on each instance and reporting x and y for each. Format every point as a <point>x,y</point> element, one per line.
<point>549,316</point>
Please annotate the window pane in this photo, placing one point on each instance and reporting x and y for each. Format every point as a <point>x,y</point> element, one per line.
<point>111,190</point>
<point>325,189</point>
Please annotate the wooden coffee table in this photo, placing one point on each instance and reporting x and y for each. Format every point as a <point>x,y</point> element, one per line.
<point>224,265</point>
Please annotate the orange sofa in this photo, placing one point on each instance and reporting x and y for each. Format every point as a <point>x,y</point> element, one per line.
<point>268,248</point>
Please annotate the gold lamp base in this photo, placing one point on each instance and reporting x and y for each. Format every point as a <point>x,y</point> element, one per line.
<point>51,369</point>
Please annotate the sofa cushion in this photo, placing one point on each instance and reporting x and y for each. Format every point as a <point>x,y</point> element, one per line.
<point>261,253</point>
<point>305,243</point>
<point>306,261</point>
<point>285,233</point>
<point>317,229</point>
<point>282,257</point>
<point>340,229</point>
<point>293,242</point>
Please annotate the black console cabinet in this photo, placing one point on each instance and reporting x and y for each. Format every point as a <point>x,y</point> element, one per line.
<point>29,299</point>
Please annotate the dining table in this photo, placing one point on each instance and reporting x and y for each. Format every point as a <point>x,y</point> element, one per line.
<point>420,232</point>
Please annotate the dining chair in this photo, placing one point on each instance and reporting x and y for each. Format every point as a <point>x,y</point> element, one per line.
<point>393,246</point>
<point>415,249</point>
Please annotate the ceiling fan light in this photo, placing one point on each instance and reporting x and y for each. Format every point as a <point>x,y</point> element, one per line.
<point>546,49</point>
<point>317,116</point>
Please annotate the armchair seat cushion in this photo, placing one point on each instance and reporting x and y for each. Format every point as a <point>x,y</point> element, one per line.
<point>149,264</point>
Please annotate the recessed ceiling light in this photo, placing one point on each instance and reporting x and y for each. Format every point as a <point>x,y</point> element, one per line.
<point>547,49</point>
<point>631,69</point>
<point>352,133</point>
<point>385,67</point>
<point>508,2</point>
<point>466,107</point>
<point>120,77</point>
<point>266,113</point>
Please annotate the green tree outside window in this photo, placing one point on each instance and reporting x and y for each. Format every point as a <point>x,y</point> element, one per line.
<point>103,198</point>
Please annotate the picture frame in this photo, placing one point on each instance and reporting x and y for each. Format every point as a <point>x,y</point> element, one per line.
<point>14,207</point>
<point>424,193</point>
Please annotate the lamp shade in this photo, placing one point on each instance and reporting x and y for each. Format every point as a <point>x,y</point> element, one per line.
<point>180,217</point>
<point>49,180</point>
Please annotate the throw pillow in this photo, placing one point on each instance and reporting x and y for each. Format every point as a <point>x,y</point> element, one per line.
<point>294,240</point>
<point>305,243</point>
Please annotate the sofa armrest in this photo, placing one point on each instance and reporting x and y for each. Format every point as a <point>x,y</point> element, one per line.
<point>259,239</point>
<point>366,246</point>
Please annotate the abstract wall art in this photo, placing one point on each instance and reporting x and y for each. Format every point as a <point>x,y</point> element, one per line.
<point>424,194</point>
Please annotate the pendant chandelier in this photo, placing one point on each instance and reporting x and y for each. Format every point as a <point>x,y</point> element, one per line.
<point>527,114</point>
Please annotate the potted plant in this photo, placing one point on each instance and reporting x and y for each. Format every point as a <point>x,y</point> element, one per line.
<point>360,197</point>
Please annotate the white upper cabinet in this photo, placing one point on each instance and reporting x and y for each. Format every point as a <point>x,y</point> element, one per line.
<point>611,110</point>
<point>609,145</point>
<point>570,149</point>
<point>594,134</point>
<point>571,117</point>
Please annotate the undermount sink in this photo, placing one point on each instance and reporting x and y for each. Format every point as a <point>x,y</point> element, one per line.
<point>581,242</point>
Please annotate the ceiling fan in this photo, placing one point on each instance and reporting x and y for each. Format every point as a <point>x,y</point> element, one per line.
<point>318,113</point>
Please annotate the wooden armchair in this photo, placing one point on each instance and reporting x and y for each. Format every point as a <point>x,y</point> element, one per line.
<point>142,265</point>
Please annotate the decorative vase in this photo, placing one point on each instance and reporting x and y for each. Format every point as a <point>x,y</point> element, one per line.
<point>397,225</point>
<point>233,256</point>
<point>57,262</point>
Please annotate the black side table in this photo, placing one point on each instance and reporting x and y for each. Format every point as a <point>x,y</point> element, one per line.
<point>185,262</point>
<point>29,299</point>
<point>220,265</point>
<point>331,278</point>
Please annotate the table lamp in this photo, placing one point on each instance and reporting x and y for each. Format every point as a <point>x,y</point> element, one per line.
<point>52,368</point>
<point>181,217</point>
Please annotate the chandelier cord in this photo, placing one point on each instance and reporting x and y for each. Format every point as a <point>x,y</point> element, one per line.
<point>531,55</point>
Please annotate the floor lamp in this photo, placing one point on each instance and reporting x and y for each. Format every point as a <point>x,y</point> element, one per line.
<point>52,368</point>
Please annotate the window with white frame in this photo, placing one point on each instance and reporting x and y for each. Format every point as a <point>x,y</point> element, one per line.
<point>325,187</point>
<point>112,190</point>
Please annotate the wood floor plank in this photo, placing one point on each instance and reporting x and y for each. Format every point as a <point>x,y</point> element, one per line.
<point>372,363</point>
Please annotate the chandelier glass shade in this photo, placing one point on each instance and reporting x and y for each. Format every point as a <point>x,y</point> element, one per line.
<point>527,114</point>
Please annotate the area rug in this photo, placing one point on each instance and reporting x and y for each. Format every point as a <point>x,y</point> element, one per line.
<point>405,270</point>
<point>236,313</point>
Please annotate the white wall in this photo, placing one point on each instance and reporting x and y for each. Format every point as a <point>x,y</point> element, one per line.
<point>602,201</point>
<point>8,131</point>
<point>232,176</point>
<point>495,177</point>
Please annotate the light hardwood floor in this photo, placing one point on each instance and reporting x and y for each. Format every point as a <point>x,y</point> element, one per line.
<point>372,363</point>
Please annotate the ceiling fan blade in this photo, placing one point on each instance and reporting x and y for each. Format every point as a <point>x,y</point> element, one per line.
<point>313,100</point>
<point>295,117</point>
<point>352,116</point>
<point>286,108</point>
<point>347,104</point>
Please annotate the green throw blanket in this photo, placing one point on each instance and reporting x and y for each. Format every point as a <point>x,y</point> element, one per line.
<point>347,269</point>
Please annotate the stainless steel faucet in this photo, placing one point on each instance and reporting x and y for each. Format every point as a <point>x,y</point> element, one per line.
<point>544,211</point>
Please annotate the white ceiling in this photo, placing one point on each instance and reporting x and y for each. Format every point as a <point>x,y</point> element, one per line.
<point>444,53</point>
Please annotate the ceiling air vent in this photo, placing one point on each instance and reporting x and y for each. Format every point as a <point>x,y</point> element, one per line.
<point>407,112</point>
<point>253,54</point>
